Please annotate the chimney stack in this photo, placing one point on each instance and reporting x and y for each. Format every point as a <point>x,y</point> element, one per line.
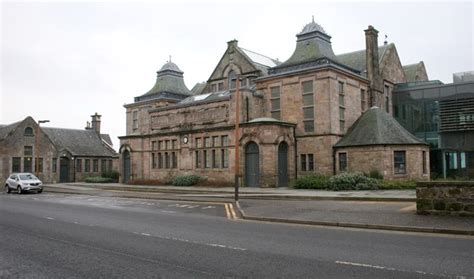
<point>96,123</point>
<point>373,70</point>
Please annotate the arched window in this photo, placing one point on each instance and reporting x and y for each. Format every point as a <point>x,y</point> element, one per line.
<point>231,79</point>
<point>28,131</point>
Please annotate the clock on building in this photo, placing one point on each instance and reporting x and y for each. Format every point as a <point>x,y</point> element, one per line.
<point>185,139</point>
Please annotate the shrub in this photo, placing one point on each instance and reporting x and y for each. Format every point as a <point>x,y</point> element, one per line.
<point>375,174</point>
<point>352,181</point>
<point>186,180</point>
<point>311,182</point>
<point>114,175</point>
<point>98,179</point>
<point>398,184</point>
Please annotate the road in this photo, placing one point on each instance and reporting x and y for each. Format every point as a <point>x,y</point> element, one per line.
<point>75,236</point>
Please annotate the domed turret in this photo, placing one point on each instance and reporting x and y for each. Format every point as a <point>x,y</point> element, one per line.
<point>169,84</point>
<point>312,43</point>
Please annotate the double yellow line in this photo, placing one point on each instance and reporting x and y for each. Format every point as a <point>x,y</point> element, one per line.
<point>230,212</point>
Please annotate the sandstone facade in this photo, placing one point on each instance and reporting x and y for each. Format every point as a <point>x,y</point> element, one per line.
<point>291,115</point>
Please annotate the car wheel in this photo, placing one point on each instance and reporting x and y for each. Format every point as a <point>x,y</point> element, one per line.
<point>7,189</point>
<point>40,191</point>
<point>19,191</point>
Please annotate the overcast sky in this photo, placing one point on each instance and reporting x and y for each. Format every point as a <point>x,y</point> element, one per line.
<point>64,61</point>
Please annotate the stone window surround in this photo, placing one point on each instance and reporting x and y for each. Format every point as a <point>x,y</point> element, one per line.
<point>341,88</point>
<point>28,132</point>
<point>387,93</point>
<point>403,170</point>
<point>363,99</point>
<point>342,165</point>
<point>163,153</point>
<point>303,106</point>
<point>307,162</point>
<point>271,98</point>
<point>209,157</point>
<point>16,164</point>
<point>135,120</point>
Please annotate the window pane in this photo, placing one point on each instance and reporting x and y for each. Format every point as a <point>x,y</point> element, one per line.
<point>342,161</point>
<point>275,92</point>
<point>225,140</point>
<point>310,162</point>
<point>308,113</point>
<point>16,164</point>
<point>160,160</point>
<point>341,87</point>
<point>341,113</point>
<point>27,164</point>
<point>275,104</point>
<point>399,162</point>
<point>308,100</point>
<point>308,125</point>
<point>87,165</point>
<point>28,151</point>
<point>215,141</point>
<point>341,100</point>
<point>276,114</point>
<point>308,86</point>
<point>303,162</point>
<point>79,165</point>
<point>207,142</point>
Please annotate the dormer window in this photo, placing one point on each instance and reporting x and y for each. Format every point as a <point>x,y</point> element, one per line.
<point>28,131</point>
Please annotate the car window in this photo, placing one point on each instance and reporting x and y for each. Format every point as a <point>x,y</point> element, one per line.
<point>13,177</point>
<point>27,176</point>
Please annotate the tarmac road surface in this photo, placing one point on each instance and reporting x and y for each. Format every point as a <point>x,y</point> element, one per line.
<point>74,236</point>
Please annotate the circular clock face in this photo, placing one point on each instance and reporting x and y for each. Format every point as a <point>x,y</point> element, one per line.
<point>185,140</point>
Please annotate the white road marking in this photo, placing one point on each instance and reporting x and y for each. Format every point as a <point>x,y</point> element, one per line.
<point>49,218</point>
<point>395,269</point>
<point>208,207</point>
<point>167,211</point>
<point>192,241</point>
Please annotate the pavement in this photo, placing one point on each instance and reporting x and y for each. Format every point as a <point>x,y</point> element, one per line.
<point>393,210</point>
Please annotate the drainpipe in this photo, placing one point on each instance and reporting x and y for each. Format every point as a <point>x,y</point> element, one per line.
<point>296,153</point>
<point>333,161</point>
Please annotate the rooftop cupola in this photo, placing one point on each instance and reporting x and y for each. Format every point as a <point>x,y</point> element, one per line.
<point>312,43</point>
<point>169,84</point>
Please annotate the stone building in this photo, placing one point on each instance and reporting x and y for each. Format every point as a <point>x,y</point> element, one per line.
<point>55,154</point>
<point>291,114</point>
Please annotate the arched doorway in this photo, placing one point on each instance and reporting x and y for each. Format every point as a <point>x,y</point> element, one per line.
<point>64,169</point>
<point>283,164</point>
<point>126,166</point>
<point>252,165</point>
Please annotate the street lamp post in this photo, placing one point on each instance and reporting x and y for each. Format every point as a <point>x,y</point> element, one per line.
<point>37,143</point>
<point>237,136</point>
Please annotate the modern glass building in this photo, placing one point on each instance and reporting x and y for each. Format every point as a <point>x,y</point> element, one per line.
<point>443,116</point>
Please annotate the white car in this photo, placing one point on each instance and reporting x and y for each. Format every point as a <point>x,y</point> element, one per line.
<point>23,182</point>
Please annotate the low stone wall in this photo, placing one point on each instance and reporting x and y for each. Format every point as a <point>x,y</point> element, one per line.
<point>446,198</point>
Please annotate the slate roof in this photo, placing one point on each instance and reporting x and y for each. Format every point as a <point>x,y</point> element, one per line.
<point>7,129</point>
<point>357,59</point>
<point>107,139</point>
<point>376,127</point>
<point>198,88</point>
<point>79,142</point>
